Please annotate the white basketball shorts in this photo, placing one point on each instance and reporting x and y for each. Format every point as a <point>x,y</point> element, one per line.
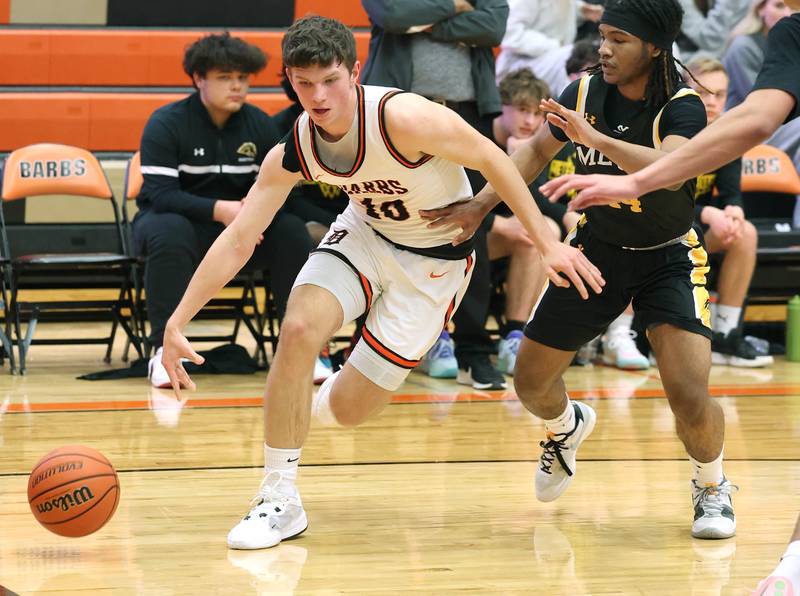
<point>408,298</point>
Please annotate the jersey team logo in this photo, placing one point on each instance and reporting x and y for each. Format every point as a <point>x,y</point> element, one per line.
<point>335,237</point>
<point>248,149</point>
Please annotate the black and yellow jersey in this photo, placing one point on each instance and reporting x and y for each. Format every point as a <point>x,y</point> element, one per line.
<point>659,216</point>
<point>720,188</point>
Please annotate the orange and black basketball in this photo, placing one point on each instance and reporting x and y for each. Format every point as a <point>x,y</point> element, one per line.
<point>73,490</point>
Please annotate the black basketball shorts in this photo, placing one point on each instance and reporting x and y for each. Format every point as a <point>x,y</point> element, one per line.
<point>666,285</point>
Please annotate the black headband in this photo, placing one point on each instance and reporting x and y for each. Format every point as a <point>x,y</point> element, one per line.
<point>635,25</point>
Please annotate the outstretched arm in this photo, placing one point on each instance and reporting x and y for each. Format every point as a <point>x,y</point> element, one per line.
<point>418,126</point>
<point>530,159</point>
<point>628,157</point>
<point>230,251</point>
<point>745,126</point>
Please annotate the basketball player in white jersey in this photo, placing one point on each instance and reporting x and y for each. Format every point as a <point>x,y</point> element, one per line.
<point>393,153</point>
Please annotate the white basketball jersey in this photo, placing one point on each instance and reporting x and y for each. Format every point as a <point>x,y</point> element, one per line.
<point>385,189</point>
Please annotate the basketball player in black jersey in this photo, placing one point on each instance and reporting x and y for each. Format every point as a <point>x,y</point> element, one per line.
<point>630,112</point>
<point>774,100</point>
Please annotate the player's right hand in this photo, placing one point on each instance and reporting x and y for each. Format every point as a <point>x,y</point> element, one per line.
<point>176,349</point>
<point>560,258</point>
<point>467,215</point>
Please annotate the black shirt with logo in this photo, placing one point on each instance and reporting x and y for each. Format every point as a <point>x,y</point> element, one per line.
<point>188,163</point>
<point>656,217</point>
<point>563,163</point>
<point>720,188</point>
<point>781,68</point>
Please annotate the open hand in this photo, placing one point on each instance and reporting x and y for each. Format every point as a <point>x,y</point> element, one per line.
<point>596,189</point>
<point>574,125</point>
<point>176,348</point>
<point>573,263</point>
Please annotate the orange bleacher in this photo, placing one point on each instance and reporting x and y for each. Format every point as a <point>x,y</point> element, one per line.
<point>120,57</point>
<point>350,13</point>
<point>5,11</point>
<point>108,120</point>
<point>95,121</point>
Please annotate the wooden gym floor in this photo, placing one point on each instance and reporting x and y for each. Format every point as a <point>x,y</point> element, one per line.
<point>434,496</point>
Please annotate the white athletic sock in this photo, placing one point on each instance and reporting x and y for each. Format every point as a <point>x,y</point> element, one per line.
<point>707,473</point>
<point>623,321</point>
<point>789,567</point>
<point>284,461</point>
<point>563,423</point>
<point>321,402</point>
<point>727,318</point>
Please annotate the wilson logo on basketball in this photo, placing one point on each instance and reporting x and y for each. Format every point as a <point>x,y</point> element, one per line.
<point>63,168</point>
<point>59,469</point>
<point>66,501</point>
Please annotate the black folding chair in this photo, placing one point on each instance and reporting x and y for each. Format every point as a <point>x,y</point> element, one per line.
<point>55,255</point>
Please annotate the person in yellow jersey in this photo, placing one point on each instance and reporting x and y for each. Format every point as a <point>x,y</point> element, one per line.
<point>719,209</point>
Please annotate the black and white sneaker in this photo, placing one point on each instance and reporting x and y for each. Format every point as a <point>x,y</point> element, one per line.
<point>557,462</point>
<point>733,350</point>
<point>477,370</point>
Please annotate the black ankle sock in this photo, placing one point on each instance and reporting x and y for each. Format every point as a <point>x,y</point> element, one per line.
<point>510,326</point>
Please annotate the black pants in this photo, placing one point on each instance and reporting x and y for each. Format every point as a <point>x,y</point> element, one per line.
<point>470,334</point>
<point>174,246</point>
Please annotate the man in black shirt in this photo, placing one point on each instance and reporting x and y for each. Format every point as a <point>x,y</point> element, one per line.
<point>200,156</point>
<point>774,100</point>
<point>629,113</point>
<point>719,209</point>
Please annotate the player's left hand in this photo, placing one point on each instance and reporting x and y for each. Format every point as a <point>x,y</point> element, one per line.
<point>571,122</point>
<point>570,261</point>
<point>596,189</point>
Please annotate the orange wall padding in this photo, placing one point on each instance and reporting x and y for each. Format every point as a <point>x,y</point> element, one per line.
<point>96,57</point>
<point>94,121</point>
<point>349,12</point>
<point>5,11</point>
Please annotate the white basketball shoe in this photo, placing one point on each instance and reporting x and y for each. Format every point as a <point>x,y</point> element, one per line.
<point>557,462</point>
<point>713,510</point>
<point>277,514</point>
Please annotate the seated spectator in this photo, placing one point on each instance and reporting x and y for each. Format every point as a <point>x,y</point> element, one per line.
<point>520,93</point>
<point>744,59</point>
<point>200,155</point>
<point>539,36</point>
<point>748,42</point>
<point>718,207</point>
<point>707,25</point>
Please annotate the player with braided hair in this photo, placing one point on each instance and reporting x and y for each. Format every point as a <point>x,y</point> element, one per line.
<point>664,78</point>
<point>630,111</point>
